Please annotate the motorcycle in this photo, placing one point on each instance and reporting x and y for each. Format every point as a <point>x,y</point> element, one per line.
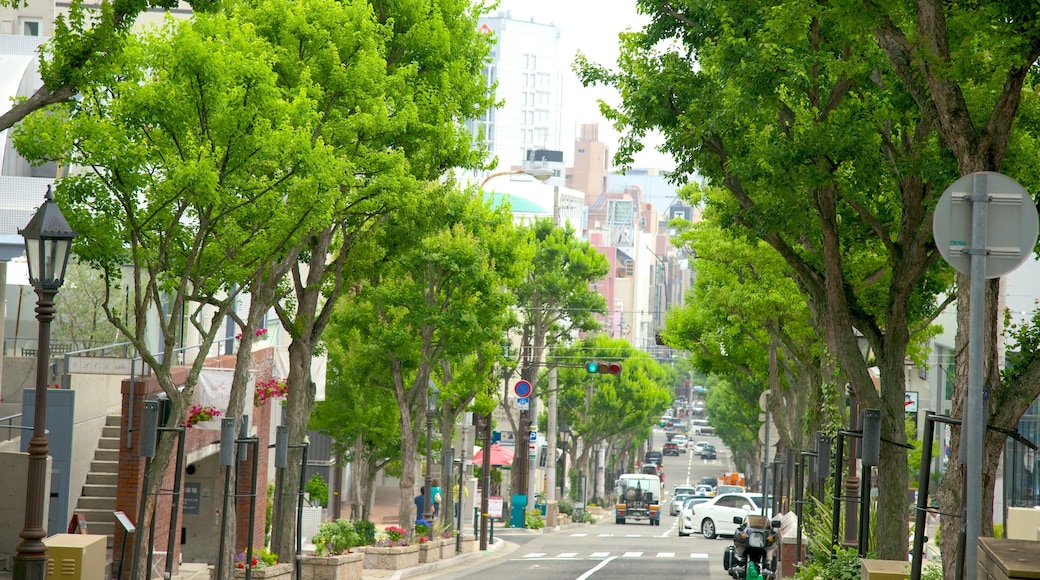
<point>753,553</point>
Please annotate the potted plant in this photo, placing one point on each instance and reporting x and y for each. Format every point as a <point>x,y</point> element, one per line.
<point>332,558</point>
<point>391,551</point>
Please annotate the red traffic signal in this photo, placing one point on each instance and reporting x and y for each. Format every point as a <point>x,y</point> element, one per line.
<point>603,368</point>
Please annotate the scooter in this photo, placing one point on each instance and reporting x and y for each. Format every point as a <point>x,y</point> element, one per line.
<point>753,553</point>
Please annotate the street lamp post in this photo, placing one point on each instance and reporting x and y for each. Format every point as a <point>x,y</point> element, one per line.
<point>431,412</point>
<point>48,238</point>
<point>540,174</point>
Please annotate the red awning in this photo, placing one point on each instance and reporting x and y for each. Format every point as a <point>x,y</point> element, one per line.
<point>499,456</point>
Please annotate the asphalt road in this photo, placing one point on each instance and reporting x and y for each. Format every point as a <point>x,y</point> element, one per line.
<point>609,551</point>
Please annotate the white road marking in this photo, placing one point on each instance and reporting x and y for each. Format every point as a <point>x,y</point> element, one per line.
<point>631,554</point>
<point>567,555</point>
<point>666,554</point>
<point>599,554</point>
<point>594,569</point>
<point>699,556</point>
<point>578,535</point>
<point>534,555</point>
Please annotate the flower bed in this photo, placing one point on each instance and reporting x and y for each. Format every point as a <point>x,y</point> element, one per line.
<point>429,551</point>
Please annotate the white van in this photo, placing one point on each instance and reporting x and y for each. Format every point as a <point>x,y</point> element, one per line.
<point>702,427</point>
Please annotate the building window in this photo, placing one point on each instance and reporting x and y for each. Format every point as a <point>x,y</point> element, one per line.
<point>30,27</point>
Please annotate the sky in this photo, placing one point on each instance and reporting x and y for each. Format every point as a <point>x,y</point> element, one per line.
<point>591,26</point>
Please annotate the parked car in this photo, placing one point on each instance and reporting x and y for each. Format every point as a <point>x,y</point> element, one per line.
<point>708,452</point>
<point>714,517</point>
<point>677,503</point>
<point>686,515</point>
<point>652,457</point>
<point>671,448</point>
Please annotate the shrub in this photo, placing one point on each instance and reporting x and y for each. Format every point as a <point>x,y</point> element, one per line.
<point>318,490</point>
<point>533,521</point>
<point>566,507</point>
<point>335,537</point>
<point>367,531</point>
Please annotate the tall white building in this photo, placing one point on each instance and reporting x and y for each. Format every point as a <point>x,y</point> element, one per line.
<point>527,64</point>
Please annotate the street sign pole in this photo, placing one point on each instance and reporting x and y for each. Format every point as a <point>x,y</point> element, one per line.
<point>991,254</point>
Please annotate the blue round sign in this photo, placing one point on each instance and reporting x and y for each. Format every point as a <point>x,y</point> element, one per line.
<point>522,388</point>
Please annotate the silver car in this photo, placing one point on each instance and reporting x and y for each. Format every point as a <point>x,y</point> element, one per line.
<point>677,503</point>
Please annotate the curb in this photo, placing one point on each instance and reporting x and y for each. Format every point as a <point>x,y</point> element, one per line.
<point>440,564</point>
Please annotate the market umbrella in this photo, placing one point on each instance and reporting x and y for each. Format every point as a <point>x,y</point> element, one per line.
<point>499,456</point>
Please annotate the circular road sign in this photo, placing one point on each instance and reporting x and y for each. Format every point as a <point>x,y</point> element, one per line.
<point>1011,223</point>
<point>522,388</point>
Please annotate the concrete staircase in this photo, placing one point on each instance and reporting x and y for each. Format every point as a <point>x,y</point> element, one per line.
<point>98,500</point>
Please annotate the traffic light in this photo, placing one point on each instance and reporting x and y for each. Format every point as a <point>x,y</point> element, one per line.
<point>603,368</point>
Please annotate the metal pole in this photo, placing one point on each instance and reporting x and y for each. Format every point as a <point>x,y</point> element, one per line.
<point>922,496</point>
<point>30,562</point>
<point>765,462</point>
<point>864,510</point>
<point>973,432</point>
<point>138,544</point>
<point>175,504</point>
<point>458,524</point>
<point>428,481</point>
<point>836,510</point>
<point>485,476</point>
<point>299,510</point>
<point>799,499</point>
<point>255,443</point>
<point>550,442</point>
<point>851,490</point>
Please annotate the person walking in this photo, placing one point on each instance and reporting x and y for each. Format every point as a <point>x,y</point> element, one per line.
<point>436,493</point>
<point>420,503</point>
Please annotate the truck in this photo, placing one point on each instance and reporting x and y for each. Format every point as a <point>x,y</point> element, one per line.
<point>639,498</point>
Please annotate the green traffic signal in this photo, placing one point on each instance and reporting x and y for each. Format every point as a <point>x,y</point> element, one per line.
<point>603,368</point>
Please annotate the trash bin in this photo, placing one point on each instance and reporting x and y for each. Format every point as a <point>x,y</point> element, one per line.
<point>517,515</point>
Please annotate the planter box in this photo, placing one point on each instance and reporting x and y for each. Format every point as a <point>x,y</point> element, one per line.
<point>429,552</point>
<point>341,567</point>
<point>391,558</point>
<point>276,572</point>
<point>470,544</point>
<point>447,548</point>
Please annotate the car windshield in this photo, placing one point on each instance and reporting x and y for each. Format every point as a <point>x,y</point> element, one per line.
<point>684,491</point>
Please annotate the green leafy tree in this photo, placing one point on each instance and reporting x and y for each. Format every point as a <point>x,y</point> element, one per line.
<point>620,408</point>
<point>397,80</point>
<point>203,177</point>
<point>800,119</point>
<point>85,48</point>
<point>556,300</point>
<point>744,321</point>
<point>429,303</point>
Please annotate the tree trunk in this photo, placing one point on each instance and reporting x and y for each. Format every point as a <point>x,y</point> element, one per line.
<point>298,406</point>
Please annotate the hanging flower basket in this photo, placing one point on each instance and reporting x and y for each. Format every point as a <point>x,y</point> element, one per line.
<point>200,414</point>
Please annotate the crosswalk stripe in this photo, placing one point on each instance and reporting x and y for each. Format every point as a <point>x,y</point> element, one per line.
<point>666,554</point>
<point>599,554</point>
<point>606,535</point>
<point>631,554</point>
<point>534,555</point>
<point>699,556</point>
<point>578,535</point>
<point>633,535</point>
<point>567,555</point>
